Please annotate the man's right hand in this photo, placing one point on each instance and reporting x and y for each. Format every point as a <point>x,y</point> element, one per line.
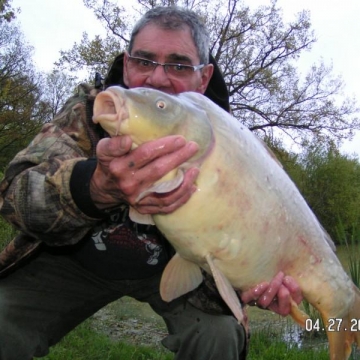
<point>122,174</point>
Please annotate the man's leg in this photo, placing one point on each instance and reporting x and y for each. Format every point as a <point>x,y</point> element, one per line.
<point>194,334</point>
<point>42,301</point>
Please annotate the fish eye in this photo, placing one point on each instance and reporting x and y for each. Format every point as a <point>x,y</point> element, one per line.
<point>161,104</point>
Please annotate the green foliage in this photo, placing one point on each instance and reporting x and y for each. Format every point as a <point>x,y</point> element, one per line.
<point>329,182</point>
<point>20,104</point>
<point>7,232</point>
<point>6,12</point>
<point>331,185</point>
<point>351,242</point>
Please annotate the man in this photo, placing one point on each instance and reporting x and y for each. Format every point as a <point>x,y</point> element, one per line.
<point>69,193</point>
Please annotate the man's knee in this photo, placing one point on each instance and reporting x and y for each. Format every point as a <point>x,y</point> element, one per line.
<point>16,344</point>
<point>18,340</point>
<point>225,333</point>
<point>208,337</point>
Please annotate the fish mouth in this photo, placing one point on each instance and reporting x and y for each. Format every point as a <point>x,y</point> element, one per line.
<point>110,110</point>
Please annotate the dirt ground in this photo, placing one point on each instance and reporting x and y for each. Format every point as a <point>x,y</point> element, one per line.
<point>131,321</point>
<point>136,323</point>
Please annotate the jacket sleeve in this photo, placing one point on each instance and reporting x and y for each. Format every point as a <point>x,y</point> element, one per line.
<point>36,194</point>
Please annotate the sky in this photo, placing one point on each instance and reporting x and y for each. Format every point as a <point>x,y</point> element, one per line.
<point>53,25</point>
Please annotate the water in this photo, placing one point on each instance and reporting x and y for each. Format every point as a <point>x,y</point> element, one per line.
<point>295,336</point>
<point>291,333</point>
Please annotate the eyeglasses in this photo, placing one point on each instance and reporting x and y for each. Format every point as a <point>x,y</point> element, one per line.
<point>146,66</point>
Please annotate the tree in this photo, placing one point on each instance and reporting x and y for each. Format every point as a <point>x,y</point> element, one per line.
<point>329,182</point>
<point>6,12</point>
<point>20,105</point>
<point>257,53</point>
<point>332,187</point>
<point>57,87</point>
<point>28,99</point>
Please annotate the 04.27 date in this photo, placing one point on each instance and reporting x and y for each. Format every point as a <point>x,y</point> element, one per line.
<point>332,325</point>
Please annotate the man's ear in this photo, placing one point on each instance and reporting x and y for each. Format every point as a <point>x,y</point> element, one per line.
<point>206,74</point>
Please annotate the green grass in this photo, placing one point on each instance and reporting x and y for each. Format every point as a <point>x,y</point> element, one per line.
<point>266,345</point>
<point>86,344</point>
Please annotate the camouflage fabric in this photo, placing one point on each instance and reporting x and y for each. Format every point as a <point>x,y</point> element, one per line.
<point>35,194</point>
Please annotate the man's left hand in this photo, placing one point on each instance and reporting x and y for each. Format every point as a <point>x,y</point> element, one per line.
<point>275,296</point>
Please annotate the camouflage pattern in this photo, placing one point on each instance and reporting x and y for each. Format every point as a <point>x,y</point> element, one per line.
<point>35,194</point>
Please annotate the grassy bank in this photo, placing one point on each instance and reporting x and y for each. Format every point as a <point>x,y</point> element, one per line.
<point>126,330</point>
<point>85,343</point>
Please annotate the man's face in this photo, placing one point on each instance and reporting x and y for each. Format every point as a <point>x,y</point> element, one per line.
<point>166,46</point>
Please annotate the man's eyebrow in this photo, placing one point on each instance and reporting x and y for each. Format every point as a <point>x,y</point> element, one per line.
<point>178,58</point>
<point>171,58</point>
<point>144,54</point>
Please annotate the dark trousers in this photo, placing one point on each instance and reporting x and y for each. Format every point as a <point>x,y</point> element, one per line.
<point>50,295</point>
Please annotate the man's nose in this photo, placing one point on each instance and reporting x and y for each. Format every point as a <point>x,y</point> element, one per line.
<point>158,77</point>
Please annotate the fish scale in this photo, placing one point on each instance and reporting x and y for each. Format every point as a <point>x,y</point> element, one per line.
<point>246,222</point>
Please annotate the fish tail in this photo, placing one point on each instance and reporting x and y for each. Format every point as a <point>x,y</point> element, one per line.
<point>343,333</point>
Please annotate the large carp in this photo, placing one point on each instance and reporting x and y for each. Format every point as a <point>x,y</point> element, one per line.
<point>246,222</point>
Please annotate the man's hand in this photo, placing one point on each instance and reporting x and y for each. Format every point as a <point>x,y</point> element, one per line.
<point>275,295</point>
<point>121,174</point>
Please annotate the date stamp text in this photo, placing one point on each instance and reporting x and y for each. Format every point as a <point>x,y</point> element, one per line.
<point>332,325</point>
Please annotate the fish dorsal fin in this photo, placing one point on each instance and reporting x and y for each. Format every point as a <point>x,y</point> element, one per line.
<point>179,277</point>
<point>163,185</point>
<point>145,219</point>
<point>226,291</point>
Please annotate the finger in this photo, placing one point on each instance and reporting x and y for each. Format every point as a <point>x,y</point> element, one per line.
<point>294,289</point>
<point>254,293</point>
<point>268,296</point>
<point>153,209</point>
<point>281,305</point>
<point>133,177</point>
<point>160,166</point>
<point>151,150</point>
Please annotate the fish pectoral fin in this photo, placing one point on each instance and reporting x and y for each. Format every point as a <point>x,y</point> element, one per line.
<point>164,185</point>
<point>226,290</point>
<point>136,217</point>
<point>179,277</point>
